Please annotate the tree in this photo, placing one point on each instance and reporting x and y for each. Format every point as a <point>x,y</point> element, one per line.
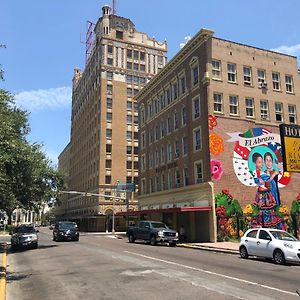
<point>26,175</point>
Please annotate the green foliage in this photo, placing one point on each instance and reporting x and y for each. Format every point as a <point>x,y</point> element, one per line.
<point>295,209</point>
<point>26,175</point>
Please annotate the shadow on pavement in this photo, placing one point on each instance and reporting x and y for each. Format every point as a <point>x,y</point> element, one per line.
<point>11,277</point>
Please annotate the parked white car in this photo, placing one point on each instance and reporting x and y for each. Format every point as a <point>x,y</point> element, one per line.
<point>270,243</point>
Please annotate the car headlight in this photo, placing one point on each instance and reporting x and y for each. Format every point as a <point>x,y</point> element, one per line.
<point>160,233</point>
<point>176,234</point>
<point>288,245</point>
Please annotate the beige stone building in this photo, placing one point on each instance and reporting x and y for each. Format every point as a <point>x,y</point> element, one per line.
<point>202,119</point>
<point>104,130</point>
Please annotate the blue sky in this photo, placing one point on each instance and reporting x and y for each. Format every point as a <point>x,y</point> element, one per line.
<point>43,46</point>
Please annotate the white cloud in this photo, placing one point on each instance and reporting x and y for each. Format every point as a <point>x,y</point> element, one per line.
<point>53,98</point>
<point>186,39</point>
<point>292,50</point>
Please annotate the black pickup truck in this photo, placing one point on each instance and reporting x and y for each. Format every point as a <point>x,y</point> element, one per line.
<point>153,232</point>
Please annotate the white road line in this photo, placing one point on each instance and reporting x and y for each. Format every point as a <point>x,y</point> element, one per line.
<point>213,273</point>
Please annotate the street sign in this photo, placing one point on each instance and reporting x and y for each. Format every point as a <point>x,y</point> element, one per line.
<point>126,187</point>
<point>290,143</point>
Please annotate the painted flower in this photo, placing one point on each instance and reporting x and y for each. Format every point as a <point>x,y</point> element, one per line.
<point>216,169</point>
<point>241,233</point>
<point>225,191</point>
<point>216,144</point>
<point>283,209</point>
<point>212,122</point>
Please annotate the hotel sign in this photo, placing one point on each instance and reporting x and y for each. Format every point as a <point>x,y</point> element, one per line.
<point>290,142</point>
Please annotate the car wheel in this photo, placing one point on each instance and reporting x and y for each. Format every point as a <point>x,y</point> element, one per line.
<point>243,252</point>
<point>54,238</point>
<point>153,240</point>
<point>13,247</point>
<point>172,244</point>
<point>35,246</point>
<point>76,239</point>
<point>131,238</point>
<point>278,257</point>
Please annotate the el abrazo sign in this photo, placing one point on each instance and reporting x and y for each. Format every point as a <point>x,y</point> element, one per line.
<point>290,142</point>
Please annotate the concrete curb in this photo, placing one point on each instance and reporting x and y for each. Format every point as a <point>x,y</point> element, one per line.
<point>3,248</point>
<point>208,248</point>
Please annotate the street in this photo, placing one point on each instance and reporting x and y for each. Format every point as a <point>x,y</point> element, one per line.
<point>105,267</point>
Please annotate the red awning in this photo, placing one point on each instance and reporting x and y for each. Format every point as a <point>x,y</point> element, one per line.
<point>165,210</point>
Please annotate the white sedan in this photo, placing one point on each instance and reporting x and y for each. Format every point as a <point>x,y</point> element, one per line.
<point>270,243</point>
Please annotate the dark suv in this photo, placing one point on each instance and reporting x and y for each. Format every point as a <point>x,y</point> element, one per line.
<point>65,231</point>
<point>24,236</point>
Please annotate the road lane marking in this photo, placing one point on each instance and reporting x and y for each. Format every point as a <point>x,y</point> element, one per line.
<point>213,273</point>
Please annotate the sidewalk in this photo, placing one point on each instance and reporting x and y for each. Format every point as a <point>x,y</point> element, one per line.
<point>223,247</point>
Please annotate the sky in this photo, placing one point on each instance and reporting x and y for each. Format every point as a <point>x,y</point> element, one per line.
<point>44,43</point>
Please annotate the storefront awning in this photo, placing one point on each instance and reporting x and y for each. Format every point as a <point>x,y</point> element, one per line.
<point>165,210</point>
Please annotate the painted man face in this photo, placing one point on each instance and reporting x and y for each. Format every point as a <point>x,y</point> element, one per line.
<point>269,162</point>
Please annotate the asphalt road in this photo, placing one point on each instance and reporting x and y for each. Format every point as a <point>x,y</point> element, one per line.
<point>103,267</point>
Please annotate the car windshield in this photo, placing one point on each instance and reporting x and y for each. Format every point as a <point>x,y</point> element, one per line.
<point>159,225</point>
<point>25,229</point>
<point>67,226</point>
<point>283,236</point>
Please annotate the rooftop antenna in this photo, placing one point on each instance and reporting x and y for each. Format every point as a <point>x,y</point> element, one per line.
<point>114,7</point>
<point>89,39</point>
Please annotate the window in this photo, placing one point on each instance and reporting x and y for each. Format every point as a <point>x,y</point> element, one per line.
<point>176,120</point>
<point>231,71</point>
<point>136,66</point>
<point>119,34</point>
<point>195,75</point>
<point>264,110</point>
<point>129,65</point>
<point>276,81</point>
<point>135,136</point>
<point>108,148</point>
<point>196,107</point>
<point>128,79</point>
<point>264,235</point>
<point>129,165</point>
<point>278,112</point>
<point>143,116</point>
<point>135,106</point>
<point>136,79</point>
<point>109,75</point>
<point>110,61</point>
<point>129,135</point>
<point>162,128</point>
<point>177,149</point>
<point>108,133</point>
<point>163,183</point>
<point>129,53</point>
<point>233,105</point>
<point>169,180</point>
<point>143,69</point>
<point>107,179</point>
<point>129,119</point>
<point>136,55</point>
<point>197,139</point>
<point>143,188</point>
<point>129,150</point>
<point>109,117</point>
<point>184,145</point>
<point>143,138</point>
<point>216,69</point>
<point>129,92</point>
<point>160,59</point>
<point>143,164</point>
<point>150,135</point>
<point>185,176</point>
<point>289,84</point>
<point>157,133</point>
<point>142,56</point>
<point>177,178</point>
<point>169,152</point>
<point>252,234</point>
<point>168,95</point>
<point>109,103</point>
<point>169,129</point>
<point>292,114</point>
<point>249,107</point>
<point>108,164</point>
<point>183,116</point>
<point>198,172</point>
<point>247,76</point>
<point>182,85</point>
<point>218,106</point>
<point>175,90</point>
<point>109,88</point>
<point>157,158</point>
<point>135,120</point>
<point>162,154</point>
<point>261,75</point>
<point>129,105</point>
<point>135,150</point>
<point>109,49</point>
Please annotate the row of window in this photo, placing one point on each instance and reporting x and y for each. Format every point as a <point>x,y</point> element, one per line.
<point>129,150</point>
<point>264,110</point>
<point>248,76</point>
<point>171,151</point>
<point>129,164</point>
<point>172,179</point>
<point>129,179</point>
<point>171,123</point>
<point>129,135</point>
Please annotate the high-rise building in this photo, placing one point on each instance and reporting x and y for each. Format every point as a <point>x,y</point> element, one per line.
<point>104,132</point>
<point>205,119</point>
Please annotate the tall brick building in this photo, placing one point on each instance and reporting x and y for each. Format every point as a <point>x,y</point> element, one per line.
<point>104,132</point>
<point>204,119</point>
